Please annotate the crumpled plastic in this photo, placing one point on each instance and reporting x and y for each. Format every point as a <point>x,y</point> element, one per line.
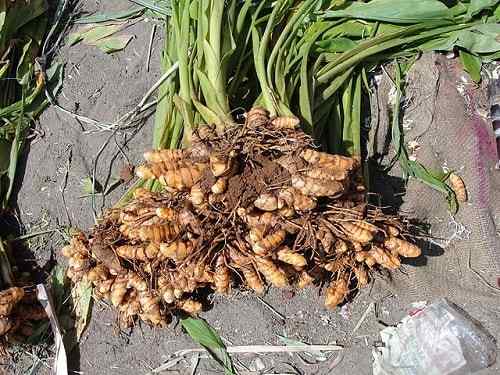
<point>438,339</point>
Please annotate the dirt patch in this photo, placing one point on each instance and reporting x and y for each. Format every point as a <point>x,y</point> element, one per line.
<point>256,178</point>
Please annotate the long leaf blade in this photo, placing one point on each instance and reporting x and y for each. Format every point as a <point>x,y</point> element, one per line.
<point>203,334</point>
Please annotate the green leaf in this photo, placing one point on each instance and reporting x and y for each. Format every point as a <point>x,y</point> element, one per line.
<point>88,186</point>
<point>335,45</point>
<point>82,301</point>
<point>476,6</point>
<point>92,33</point>
<point>25,66</point>
<point>480,39</point>
<point>160,7</point>
<point>209,116</point>
<point>58,285</point>
<point>113,43</point>
<point>201,332</point>
<point>112,16</point>
<point>471,64</point>
<point>395,11</point>
<point>13,18</point>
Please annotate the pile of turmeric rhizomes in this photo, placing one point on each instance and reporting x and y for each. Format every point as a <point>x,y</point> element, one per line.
<point>251,206</point>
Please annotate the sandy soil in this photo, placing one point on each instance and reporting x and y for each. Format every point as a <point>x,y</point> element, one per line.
<point>104,87</point>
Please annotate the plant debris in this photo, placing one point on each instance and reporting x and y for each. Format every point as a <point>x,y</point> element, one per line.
<point>249,206</point>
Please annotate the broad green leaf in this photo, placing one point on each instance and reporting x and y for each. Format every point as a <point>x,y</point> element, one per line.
<point>113,43</point>
<point>477,42</point>
<point>497,13</point>
<point>201,332</point>
<point>112,16</point>
<point>395,11</point>
<point>472,65</point>
<point>443,43</point>
<point>476,6</point>
<point>82,302</point>
<point>335,45</point>
<point>349,28</point>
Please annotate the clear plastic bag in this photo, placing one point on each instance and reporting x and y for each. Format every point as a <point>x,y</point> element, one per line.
<point>439,339</point>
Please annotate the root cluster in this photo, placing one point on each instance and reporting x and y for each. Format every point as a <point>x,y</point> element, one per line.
<point>254,206</point>
<point>17,311</point>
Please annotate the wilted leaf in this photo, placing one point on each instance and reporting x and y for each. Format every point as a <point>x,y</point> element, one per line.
<point>472,65</point>
<point>113,43</point>
<point>201,332</point>
<point>102,37</point>
<point>93,33</point>
<point>396,11</point>
<point>319,356</point>
<point>82,301</point>
<point>112,16</point>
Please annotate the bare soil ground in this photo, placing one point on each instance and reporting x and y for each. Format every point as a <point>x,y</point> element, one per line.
<point>105,87</point>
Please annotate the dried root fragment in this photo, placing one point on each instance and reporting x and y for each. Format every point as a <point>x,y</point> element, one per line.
<point>264,245</point>
<point>249,206</point>
<point>285,122</point>
<point>164,156</point>
<point>222,276</point>
<point>358,232</point>
<point>257,117</point>
<point>317,188</point>
<point>305,279</point>
<point>273,274</point>
<point>402,247</point>
<point>190,306</point>
<point>329,161</point>
<point>458,186</point>
<point>336,292</point>
<point>287,255</point>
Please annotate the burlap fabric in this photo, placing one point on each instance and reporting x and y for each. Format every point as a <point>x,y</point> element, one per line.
<point>442,114</point>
